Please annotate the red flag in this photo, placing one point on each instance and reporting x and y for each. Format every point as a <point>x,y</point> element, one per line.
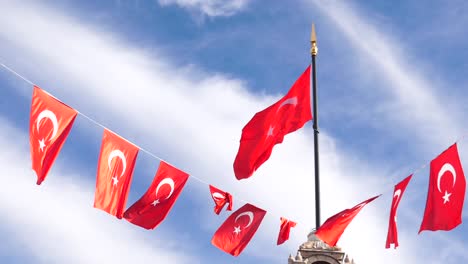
<point>392,234</point>
<point>446,192</point>
<point>220,198</point>
<point>285,229</point>
<point>331,231</point>
<point>152,208</point>
<point>238,229</point>
<point>49,125</point>
<point>114,174</point>
<point>268,127</point>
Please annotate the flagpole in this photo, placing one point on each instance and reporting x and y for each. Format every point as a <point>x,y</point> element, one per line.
<point>313,53</point>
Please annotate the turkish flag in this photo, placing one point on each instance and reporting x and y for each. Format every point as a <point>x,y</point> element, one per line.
<point>285,229</point>
<point>114,173</point>
<point>446,192</point>
<point>392,234</point>
<point>331,231</point>
<point>238,229</point>
<point>152,208</point>
<point>49,125</point>
<point>220,198</point>
<point>268,127</point>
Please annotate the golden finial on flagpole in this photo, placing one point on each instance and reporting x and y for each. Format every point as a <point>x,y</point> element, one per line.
<point>313,42</point>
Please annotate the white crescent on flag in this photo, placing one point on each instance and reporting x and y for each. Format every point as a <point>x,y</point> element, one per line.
<point>291,101</point>
<point>117,153</point>
<point>398,195</point>
<point>446,167</point>
<point>169,182</point>
<point>249,214</point>
<point>52,117</point>
<point>218,196</point>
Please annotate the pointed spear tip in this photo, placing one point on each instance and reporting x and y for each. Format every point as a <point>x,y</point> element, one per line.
<point>313,41</point>
<point>313,36</point>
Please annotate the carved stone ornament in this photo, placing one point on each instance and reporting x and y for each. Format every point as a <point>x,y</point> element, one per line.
<point>315,251</point>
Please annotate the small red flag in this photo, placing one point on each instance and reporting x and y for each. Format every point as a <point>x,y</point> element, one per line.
<point>114,173</point>
<point>152,208</point>
<point>268,127</point>
<point>285,229</point>
<point>392,234</point>
<point>238,229</point>
<point>446,192</point>
<point>220,198</point>
<point>49,125</point>
<point>331,231</point>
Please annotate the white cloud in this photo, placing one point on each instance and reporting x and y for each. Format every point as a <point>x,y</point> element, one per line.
<point>211,8</point>
<point>407,96</point>
<point>194,119</point>
<point>56,222</point>
<point>411,101</point>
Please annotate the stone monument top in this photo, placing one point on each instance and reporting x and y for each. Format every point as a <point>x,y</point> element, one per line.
<point>315,251</point>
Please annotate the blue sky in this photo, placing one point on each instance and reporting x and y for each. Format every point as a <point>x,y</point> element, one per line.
<point>180,78</point>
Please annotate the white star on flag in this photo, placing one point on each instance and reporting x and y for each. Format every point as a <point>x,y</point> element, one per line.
<point>115,180</point>
<point>237,230</point>
<point>42,144</point>
<point>446,197</point>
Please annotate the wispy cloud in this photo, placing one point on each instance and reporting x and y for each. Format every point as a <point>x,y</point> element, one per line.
<point>211,8</point>
<point>56,222</point>
<point>193,119</point>
<point>408,96</point>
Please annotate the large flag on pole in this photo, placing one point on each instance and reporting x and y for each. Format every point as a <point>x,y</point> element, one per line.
<point>49,125</point>
<point>268,127</point>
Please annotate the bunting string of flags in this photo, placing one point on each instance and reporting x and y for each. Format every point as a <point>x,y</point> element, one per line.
<point>51,121</point>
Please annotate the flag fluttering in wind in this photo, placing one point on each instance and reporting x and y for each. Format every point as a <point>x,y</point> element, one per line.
<point>268,127</point>
<point>238,229</point>
<point>220,198</point>
<point>446,192</point>
<point>285,229</point>
<point>331,231</point>
<point>51,122</point>
<point>49,125</point>
<point>392,234</point>
<point>153,207</point>
<point>114,173</point>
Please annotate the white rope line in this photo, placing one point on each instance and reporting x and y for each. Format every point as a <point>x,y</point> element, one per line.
<point>191,176</point>
<point>17,74</point>
<point>104,127</point>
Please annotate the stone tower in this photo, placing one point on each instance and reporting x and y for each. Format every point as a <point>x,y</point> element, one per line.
<point>314,251</point>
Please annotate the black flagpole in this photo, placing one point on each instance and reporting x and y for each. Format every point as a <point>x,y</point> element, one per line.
<point>313,52</point>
